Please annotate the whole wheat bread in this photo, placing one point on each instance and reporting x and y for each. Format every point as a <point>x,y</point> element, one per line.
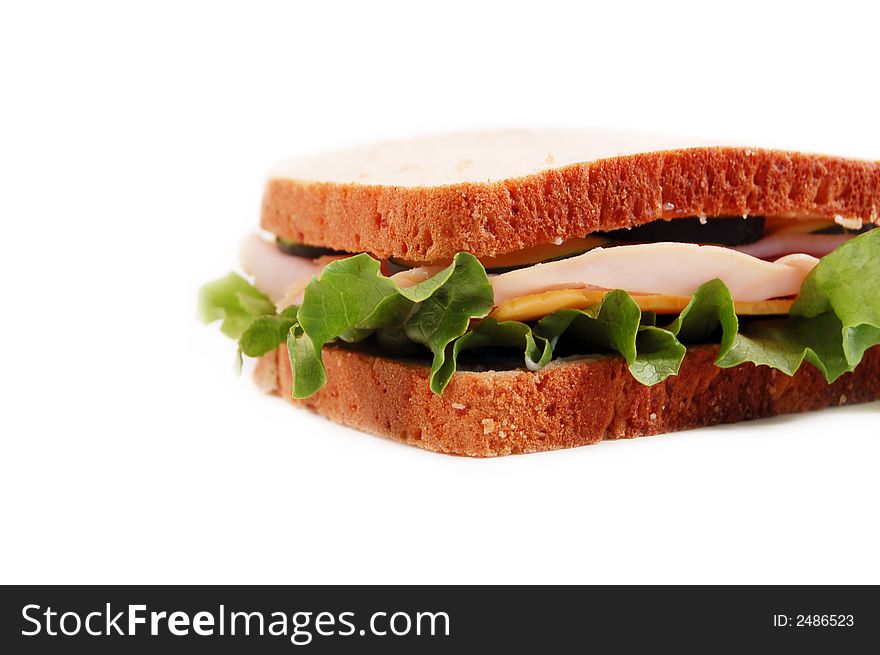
<point>497,192</point>
<point>565,404</point>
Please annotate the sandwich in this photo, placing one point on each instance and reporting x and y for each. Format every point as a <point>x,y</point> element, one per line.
<point>517,291</point>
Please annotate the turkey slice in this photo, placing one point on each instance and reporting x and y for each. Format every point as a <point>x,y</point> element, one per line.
<point>675,269</point>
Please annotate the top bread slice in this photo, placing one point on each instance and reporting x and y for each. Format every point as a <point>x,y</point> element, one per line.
<point>489,193</point>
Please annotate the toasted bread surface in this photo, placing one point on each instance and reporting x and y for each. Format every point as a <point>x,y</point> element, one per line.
<point>402,207</point>
<point>566,404</point>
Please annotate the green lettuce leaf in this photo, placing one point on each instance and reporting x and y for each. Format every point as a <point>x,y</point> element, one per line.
<point>352,299</point>
<point>266,333</point>
<point>445,314</point>
<point>835,319</point>
<point>233,300</point>
<point>349,300</point>
<point>658,355</point>
<point>784,344</point>
<point>710,310</point>
<point>615,325</point>
<point>537,351</point>
<point>247,315</point>
<point>845,283</point>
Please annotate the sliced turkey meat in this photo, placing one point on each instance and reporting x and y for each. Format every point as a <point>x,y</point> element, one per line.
<point>676,269</point>
<point>783,243</point>
<point>277,275</point>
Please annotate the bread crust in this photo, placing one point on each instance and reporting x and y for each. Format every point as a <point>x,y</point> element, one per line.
<point>565,404</point>
<point>487,219</point>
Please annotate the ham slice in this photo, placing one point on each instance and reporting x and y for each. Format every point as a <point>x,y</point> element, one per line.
<point>782,243</point>
<point>675,269</point>
<point>276,274</point>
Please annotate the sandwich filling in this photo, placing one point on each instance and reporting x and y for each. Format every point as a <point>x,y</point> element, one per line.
<point>772,291</point>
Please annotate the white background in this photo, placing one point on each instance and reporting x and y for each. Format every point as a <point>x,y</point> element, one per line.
<point>133,145</point>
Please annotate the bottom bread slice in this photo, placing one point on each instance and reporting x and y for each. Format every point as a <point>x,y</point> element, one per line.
<point>565,404</point>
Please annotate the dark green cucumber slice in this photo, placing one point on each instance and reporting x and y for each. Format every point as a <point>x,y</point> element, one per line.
<point>721,230</point>
<point>839,229</point>
<point>302,250</point>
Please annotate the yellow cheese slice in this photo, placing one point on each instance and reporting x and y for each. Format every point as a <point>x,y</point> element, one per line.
<point>538,305</point>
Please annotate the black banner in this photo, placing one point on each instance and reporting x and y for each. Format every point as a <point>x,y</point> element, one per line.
<point>278,619</point>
